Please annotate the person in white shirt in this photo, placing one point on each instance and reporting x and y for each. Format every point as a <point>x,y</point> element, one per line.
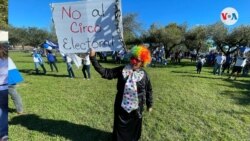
<point>219,61</point>
<point>86,66</point>
<point>69,66</point>
<point>38,60</point>
<point>239,64</point>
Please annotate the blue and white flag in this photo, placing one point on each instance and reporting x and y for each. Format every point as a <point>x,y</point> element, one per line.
<point>50,45</point>
<point>14,75</point>
<point>245,49</point>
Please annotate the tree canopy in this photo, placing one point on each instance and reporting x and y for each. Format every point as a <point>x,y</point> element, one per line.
<point>3,14</point>
<point>229,41</point>
<point>31,36</point>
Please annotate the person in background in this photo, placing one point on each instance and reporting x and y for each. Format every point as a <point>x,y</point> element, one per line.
<point>69,66</point>
<point>134,90</point>
<point>14,77</point>
<point>86,66</point>
<point>38,60</point>
<point>239,64</point>
<point>201,61</point>
<point>226,65</point>
<point>219,61</point>
<point>246,68</point>
<point>52,60</point>
<point>3,93</point>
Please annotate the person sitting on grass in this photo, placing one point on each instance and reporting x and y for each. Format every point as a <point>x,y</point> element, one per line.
<point>133,91</point>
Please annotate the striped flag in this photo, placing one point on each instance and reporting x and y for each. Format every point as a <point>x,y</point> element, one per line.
<point>244,49</point>
<point>50,45</point>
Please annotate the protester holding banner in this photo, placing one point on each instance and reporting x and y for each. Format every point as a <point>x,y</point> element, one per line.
<point>38,60</point>
<point>52,60</point>
<point>3,93</point>
<point>134,90</point>
<point>14,77</point>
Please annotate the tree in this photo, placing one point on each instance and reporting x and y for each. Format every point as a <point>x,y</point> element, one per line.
<point>229,42</point>
<point>31,36</point>
<point>52,33</point>
<point>17,36</point>
<point>4,15</point>
<point>170,36</point>
<point>196,38</point>
<point>131,28</point>
<point>36,36</point>
<point>153,34</point>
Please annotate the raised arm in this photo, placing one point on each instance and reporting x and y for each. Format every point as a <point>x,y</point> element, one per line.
<point>104,72</point>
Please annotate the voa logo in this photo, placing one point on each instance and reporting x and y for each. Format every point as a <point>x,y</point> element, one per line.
<point>229,16</point>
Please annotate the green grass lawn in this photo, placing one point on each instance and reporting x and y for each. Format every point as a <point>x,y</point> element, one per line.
<point>187,106</point>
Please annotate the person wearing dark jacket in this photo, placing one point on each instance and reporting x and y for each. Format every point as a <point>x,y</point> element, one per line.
<point>133,91</point>
<point>52,60</point>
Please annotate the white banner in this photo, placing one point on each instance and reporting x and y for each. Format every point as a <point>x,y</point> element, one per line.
<point>86,24</point>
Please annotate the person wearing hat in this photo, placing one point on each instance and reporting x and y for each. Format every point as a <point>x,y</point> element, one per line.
<point>134,90</point>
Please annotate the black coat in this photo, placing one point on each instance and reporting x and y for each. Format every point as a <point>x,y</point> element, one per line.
<point>127,126</point>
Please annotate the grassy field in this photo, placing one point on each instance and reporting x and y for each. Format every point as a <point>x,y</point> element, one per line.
<point>187,106</point>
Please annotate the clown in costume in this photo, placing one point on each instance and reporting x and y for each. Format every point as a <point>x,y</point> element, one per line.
<point>133,91</point>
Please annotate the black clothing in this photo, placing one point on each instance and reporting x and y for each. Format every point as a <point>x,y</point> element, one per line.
<point>51,67</point>
<point>127,126</point>
<point>199,67</point>
<point>86,68</point>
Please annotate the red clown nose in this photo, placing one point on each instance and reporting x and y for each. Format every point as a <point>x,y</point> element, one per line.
<point>133,61</point>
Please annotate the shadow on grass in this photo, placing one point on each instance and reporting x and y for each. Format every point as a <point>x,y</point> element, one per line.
<point>242,96</point>
<point>195,75</point>
<point>11,110</point>
<point>184,72</point>
<point>181,64</point>
<point>32,72</point>
<point>69,131</point>
<point>28,71</point>
<point>158,66</point>
<point>232,112</point>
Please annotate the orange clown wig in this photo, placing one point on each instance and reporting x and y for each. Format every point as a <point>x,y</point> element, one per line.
<point>141,53</point>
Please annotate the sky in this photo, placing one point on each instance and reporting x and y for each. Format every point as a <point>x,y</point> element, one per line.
<point>37,13</point>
